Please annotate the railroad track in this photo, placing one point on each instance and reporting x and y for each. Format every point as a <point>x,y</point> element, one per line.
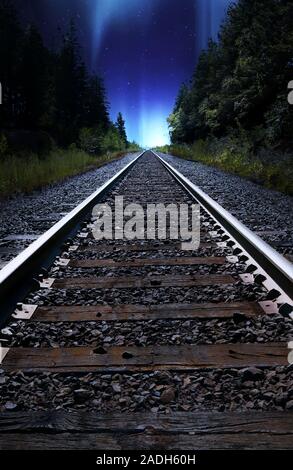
<point>139,344</point>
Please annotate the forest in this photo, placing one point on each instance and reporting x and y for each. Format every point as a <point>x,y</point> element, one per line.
<point>53,112</point>
<point>235,112</point>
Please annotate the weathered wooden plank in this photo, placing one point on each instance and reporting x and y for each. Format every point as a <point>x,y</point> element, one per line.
<point>144,312</point>
<point>130,282</point>
<point>144,441</point>
<point>182,261</point>
<point>176,423</point>
<point>150,246</point>
<point>187,357</point>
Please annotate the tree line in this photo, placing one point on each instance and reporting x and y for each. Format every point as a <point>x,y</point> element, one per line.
<point>239,88</point>
<point>51,90</point>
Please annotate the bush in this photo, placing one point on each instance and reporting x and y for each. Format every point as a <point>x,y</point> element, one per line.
<point>26,174</point>
<point>96,141</point>
<point>274,173</point>
<point>90,140</point>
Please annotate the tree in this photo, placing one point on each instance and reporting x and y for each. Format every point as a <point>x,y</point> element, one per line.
<point>241,81</point>
<point>120,124</point>
<point>71,81</point>
<point>97,106</point>
<point>51,91</point>
<point>34,72</point>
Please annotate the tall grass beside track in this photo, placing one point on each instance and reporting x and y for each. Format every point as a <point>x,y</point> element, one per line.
<point>274,173</point>
<point>25,174</point>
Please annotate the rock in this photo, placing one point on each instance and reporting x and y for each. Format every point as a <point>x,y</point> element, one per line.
<point>185,407</point>
<point>9,405</point>
<point>7,332</point>
<point>289,405</point>
<point>281,399</point>
<point>186,382</point>
<point>251,374</point>
<point>81,395</point>
<point>68,333</point>
<point>64,391</point>
<point>163,377</point>
<point>168,395</point>
<point>116,387</point>
<point>96,333</point>
<point>249,405</point>
<point>268,395</point>
<point>248,384</point>
<point>175,337</point>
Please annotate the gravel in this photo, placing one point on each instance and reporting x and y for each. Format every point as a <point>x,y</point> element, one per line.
<point>34,213</point>
<point>268,213</point>
<point>159,391</point>
<point>260,329</point>
<point>225,293</point>
<point>149,271</point>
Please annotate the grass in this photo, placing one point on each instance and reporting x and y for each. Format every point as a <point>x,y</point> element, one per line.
<point>272,173</point>
<point>25,174</point>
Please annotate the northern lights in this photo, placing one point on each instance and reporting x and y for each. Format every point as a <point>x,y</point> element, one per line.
<point>144,49</point>
<point>209,15</point>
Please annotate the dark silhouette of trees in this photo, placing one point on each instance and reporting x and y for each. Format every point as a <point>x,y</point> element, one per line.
<point>240,83</point>
<point>34,76</point>
<point>46,90</point>
<point>120,124</point>
<point>11,38</point>
<point>71,89</point>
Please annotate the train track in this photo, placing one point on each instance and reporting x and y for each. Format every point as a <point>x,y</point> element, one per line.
<point>138,344</point>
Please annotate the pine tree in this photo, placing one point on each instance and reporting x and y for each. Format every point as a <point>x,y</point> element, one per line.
<point>71,83</point>
<point>240,83</point>
<point>52,91</point>
<point>120,124</point>
<point>97,105</point>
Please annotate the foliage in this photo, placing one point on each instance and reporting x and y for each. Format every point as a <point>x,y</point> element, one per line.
<point>90,140</point>
<point>120,125</point>
<point>113,141</point>
<point>240,83</point>
<point>38,172</point>
<point>271,170</point>
<point>133,147</point>
<point>44,89</point>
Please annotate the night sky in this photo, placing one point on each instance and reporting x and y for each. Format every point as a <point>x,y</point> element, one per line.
<point>144,50</point>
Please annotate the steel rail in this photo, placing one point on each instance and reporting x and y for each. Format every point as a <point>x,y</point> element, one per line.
<point>274,264</point>
<point>16,278</point>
